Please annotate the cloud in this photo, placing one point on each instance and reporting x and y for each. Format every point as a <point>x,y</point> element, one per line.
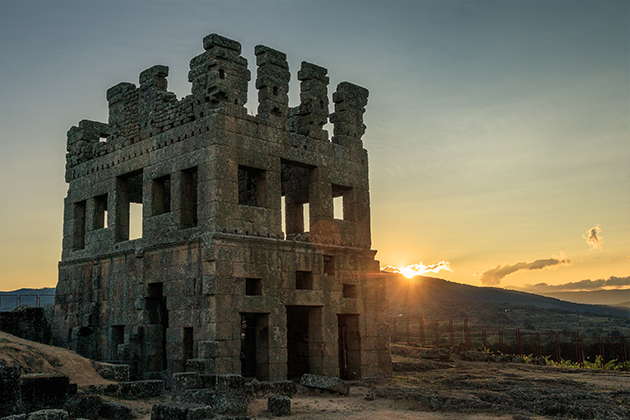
<point>593,237</point>
<point>493,276</point>
<point>612,282</point>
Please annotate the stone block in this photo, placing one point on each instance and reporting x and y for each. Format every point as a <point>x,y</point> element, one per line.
<point>195,396</point>
<point>230,383</point>
<point>48,414</point>
<point>169,412</point>
<point>230,403</point>
<point>200,413</point>
<point>207,349</point>
<point>186,380</point>
<point>112,371</point>
<point>115,411</point>
<point>9,389</point>
<point>83,406</point>
<point>41,391</point>
<point>141,389</point>
<point>201,366</point>
<point>325,382</point>
<point>209,381</point>
<point>278,405</point>
<point>285,388</point>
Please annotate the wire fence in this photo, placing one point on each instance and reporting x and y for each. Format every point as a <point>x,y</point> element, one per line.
<point>558,345</point>
<point>11,301</point>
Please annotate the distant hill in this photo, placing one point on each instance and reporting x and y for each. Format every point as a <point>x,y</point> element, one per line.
<point>618,297</point>
<point>9,300</point>
<point>490,307</point>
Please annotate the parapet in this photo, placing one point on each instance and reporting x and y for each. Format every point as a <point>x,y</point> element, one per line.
<point>220,78</point>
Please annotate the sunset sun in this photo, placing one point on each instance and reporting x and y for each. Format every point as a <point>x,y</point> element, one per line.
<point>419,269</point>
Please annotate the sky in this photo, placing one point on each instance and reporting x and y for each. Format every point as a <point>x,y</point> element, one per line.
<point>497,131</point>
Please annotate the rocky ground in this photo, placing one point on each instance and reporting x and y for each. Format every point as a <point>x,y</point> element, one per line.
<point>450,388</point>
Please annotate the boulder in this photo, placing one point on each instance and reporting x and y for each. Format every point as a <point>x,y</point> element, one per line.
<point>40,391</point>
<point>231,403</point>
<point>115,411</point>
<point>49,414</point>
<point>9,389</point>
<point>279,405</point>
<point>325,382</point>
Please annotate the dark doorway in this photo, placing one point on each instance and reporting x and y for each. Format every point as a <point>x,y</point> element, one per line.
<point>298,345</point>
<point>158,314</point>
<point>255,346</point>
<point>117,338</point>
<point>349,347</point>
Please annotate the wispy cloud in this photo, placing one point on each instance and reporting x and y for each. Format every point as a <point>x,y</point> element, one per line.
<point>593,237</point>
<point>612,282</point>
<point>493,276</point>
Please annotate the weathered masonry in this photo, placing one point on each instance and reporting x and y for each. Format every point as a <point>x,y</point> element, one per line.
<point>251,254</point>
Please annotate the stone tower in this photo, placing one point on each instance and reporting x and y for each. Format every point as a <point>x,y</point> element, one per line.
<point>241,265</point>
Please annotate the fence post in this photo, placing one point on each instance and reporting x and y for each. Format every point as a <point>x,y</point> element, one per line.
<point>407,331</point>
<point>484,339</point>
<point>501,341</point>
<point>622,342</point>
<point>519,342</point>
<point>601,350</point>
<point>422,331</point>
<point>437,334</point>
<point>467,335</point>
<point>450,332</point>
<point>577,350</point>
<point>557,347</point>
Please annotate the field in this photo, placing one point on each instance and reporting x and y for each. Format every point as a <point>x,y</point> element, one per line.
<point>419,389</point>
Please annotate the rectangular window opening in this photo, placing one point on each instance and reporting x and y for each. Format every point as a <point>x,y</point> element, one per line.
<point>189,198</point>
<point>79,226</point>
<point>341,202</point>
<point>162,195</point>
<point>338,207</point>
<point>100,212</point>
<point>283,216</point>
<point>350,290</point>
<point>251,186</point>
<point>306,217</point>
<point>129,214</point>
<point>253,287</point>
<point>329,265</point>
<point>304,280</point>
<point>294,185</point>
<point>135,221</point>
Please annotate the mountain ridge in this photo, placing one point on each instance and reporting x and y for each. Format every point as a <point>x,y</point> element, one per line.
<point>406,293</point>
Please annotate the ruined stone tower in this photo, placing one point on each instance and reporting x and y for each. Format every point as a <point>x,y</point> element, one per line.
<point>241,265</point>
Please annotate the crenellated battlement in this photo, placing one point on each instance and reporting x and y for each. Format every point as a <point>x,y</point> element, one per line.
<point>220,78</point>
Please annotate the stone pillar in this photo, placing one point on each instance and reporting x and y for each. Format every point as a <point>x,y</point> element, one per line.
<point>350,101</point>
<point>309,118</point>
<point>272,82</point>
<point>219,76</point>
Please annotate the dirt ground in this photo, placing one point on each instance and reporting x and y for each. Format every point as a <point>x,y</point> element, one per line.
<point>463,390</point>
<point>34,357</point>
<point>426,389</point>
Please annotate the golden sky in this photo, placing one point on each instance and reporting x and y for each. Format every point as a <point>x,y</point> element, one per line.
<point>497,130</point>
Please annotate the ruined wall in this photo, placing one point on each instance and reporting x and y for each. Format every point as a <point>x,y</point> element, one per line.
<point>215,280</point>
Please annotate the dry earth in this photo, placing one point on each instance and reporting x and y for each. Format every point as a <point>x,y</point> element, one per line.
<point>425,390</point>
